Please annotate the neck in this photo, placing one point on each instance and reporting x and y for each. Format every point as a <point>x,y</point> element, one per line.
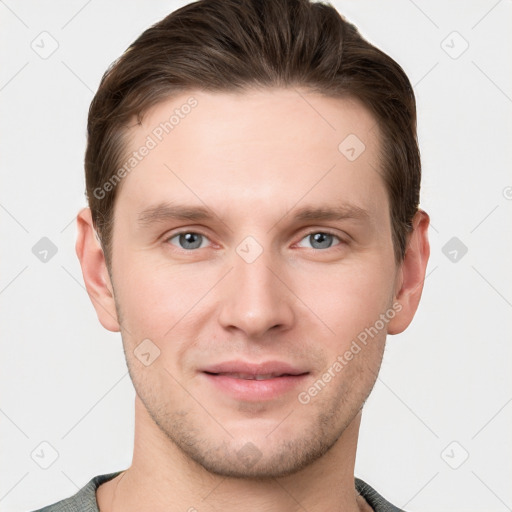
<point>163,478</point>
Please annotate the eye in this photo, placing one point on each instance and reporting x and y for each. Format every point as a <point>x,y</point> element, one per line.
<point>188,240</point>
<point>321,240</point>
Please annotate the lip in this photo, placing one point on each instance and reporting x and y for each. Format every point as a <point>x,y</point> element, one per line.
<point>227,377</point>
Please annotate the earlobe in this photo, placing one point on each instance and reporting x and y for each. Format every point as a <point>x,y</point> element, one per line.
<point>411,275</point>
<point>95,272</point>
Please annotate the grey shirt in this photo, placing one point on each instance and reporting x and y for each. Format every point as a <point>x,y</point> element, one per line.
<point>85,499</point>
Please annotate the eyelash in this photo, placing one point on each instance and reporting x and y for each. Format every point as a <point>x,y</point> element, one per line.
<point>313,232</point>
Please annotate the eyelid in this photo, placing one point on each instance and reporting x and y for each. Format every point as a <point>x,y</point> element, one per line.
<point>172,234</point>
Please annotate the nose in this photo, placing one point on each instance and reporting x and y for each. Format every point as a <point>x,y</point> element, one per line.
<point>255,298</point>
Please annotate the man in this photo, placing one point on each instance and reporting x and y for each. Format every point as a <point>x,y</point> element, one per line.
<point>253,179</point>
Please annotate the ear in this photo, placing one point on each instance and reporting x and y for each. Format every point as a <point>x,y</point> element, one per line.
<point>411,275</point>
<point>95,273</point>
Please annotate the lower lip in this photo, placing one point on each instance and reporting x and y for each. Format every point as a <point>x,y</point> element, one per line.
<point>255,390</point>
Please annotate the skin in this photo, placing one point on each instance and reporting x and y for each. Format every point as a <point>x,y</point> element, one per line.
<point>253,159</point>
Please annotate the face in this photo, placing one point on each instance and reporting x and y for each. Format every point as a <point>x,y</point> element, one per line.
<point>250,252</point>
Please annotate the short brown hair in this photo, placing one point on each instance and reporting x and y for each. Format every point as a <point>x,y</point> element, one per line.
<point>233,45</point>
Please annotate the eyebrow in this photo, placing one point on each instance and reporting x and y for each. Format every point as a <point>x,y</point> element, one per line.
<point>170,211</point>
<point>339,212</point>
<point>167,211</point>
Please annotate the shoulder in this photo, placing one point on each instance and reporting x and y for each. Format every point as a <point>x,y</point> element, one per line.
<point>374,499</point>
<point>84,500</point>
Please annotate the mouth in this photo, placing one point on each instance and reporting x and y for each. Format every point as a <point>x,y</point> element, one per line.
<point>254,382</point>
<point>260,376</point>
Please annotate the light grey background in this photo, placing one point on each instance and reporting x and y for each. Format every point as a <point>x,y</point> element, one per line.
<point>444,391</point>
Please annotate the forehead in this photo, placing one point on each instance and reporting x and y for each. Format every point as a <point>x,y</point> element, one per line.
<point>253,149</point>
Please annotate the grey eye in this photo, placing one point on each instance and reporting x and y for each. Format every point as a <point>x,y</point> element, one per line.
<point>320,240</point>
<point>188,241</point>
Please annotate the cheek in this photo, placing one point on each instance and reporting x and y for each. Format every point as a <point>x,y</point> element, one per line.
<point>346,299</point>
<point>160,304</point>
<point>155,298</point>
